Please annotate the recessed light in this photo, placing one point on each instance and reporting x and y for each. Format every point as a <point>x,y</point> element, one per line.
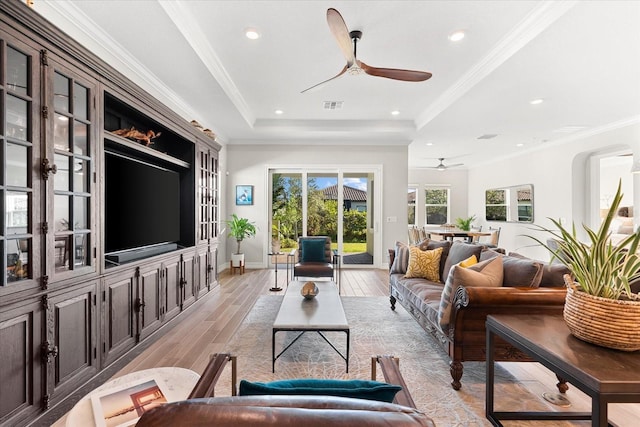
<point>278,112</point>
<point>456,36</point>
<point>395,112</point>
<point>252,33</point>
<point>429,144</point>
<point>520,145</point>
<point>536,101</point>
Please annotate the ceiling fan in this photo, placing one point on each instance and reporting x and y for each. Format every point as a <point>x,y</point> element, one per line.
<point>442,166</point>
<point>354,66</point>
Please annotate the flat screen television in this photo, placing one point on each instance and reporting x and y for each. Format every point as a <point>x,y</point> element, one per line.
<point>142,204</point>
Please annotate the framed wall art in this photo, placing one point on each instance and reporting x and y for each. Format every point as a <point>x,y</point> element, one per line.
<point>244,194</point>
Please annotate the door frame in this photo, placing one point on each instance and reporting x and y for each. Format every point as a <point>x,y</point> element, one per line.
<point>376,231</point>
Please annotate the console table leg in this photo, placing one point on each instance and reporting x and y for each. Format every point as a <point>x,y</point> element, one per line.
<point>562,384</point>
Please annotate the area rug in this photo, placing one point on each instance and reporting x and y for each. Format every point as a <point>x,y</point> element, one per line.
<point>375,329</point>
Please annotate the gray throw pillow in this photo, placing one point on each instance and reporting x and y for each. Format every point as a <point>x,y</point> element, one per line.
<point>552,274</point>
<point>446,246</point>
<point>459,251</point>
<point>518,272</point>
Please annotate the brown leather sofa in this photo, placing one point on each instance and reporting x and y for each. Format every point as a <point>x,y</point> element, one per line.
<point>201,409</point>
<point>464,338</point>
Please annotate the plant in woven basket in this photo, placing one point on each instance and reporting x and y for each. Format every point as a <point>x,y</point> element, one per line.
<point>600,304</point>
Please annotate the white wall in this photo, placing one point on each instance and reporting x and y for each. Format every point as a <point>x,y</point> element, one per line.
<point>560,175</point>
<point>455,179</point>
<point>248,165</point>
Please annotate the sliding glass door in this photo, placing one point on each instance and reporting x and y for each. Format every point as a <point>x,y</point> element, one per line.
<point>336,203</point>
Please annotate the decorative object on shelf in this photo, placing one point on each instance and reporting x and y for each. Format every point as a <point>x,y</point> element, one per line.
<point>136,135</point>
<point>600,307</point>
<point>309,290</point>
<point>244,194</point>
<point>240,229</point>
<point>207,132</point>
<point>465,223</point>
<point>197,125</point>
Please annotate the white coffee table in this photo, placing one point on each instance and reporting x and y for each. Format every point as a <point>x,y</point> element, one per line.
<point>176,382</point>
<point>320,314</point>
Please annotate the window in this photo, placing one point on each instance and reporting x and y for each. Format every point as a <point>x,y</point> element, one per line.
<point>436,205</point>
<point>411,205</point>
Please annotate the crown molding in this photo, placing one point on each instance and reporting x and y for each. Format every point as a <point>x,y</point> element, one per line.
<point>102,45</point>
<point>539,19</point>
<point>178,12</point>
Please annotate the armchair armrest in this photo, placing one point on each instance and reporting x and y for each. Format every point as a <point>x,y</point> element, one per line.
<point>205,387</point>
<point>508,296</point>
<point>390,367</point>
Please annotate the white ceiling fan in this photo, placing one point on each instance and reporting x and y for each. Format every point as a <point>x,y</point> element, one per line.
<point>442,166</point>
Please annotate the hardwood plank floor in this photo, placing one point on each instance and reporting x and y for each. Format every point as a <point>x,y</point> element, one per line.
<point>209,327</point>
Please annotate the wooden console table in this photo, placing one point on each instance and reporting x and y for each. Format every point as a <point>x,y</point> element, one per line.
<point>607,376</point>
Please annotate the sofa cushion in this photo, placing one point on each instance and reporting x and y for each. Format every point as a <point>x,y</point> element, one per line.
<point>459,251</point>
<point>486,273</point>
<point>552,274</point>
<point>401,257</point>
<point>425,264</point>
<point>518,272</point>
<point>445,245</point>
<point>359,389</point>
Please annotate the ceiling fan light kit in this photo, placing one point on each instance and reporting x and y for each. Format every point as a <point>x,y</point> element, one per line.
<point>346,39</point>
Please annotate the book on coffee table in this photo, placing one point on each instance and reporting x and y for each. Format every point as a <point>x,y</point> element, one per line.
<point>125,404</point>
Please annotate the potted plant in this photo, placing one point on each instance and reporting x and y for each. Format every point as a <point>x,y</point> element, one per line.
<point>600,307</point>
<point>240,229</point>
<point>465,223</point>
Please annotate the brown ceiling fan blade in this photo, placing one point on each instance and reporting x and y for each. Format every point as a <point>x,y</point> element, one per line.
<point>340,31</point>
<point>326,81</point>
<point>395,74</point>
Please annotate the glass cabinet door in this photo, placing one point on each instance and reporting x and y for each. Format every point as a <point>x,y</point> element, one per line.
<point>207,195</point>
<point>71,179</point>
<point>18,135</point>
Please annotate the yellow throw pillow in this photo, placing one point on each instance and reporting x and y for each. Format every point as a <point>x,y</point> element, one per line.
<point>424,264</point>
<point>472,260</point>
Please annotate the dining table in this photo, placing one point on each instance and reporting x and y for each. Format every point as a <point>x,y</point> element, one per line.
<point>449,233</point>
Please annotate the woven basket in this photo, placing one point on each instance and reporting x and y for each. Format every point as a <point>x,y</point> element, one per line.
<point>603,321</point>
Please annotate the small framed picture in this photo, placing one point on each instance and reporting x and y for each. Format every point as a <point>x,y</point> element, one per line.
<point>244,194</point>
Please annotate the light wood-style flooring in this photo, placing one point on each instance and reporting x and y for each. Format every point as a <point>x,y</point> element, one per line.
<point>207,329</point>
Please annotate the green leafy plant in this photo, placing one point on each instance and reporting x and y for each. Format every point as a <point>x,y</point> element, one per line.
<point>465,223</point>
<point>240,229</point>
<point>599,268</point>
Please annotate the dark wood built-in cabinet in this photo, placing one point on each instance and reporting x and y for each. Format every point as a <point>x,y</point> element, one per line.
<point>104,239</point>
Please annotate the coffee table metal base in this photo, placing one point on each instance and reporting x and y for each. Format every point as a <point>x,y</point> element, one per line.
<point>345,357</point>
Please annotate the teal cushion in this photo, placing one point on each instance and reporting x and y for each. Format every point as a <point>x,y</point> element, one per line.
<point>359,389</point>
<point>312,250</point>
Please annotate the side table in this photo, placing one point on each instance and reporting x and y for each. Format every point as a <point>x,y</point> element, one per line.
<point>274,259</point>
<point>177,382</point>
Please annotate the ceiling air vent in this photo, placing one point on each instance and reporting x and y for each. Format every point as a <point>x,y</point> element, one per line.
<point>488,136</point>
<point>332,105</point>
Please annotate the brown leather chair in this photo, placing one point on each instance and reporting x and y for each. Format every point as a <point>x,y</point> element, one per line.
<point>202,409</point>
<point>315,258</point>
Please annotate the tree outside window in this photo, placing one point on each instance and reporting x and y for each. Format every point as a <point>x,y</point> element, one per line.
<point>437,205</point>
<point>411,205</point>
